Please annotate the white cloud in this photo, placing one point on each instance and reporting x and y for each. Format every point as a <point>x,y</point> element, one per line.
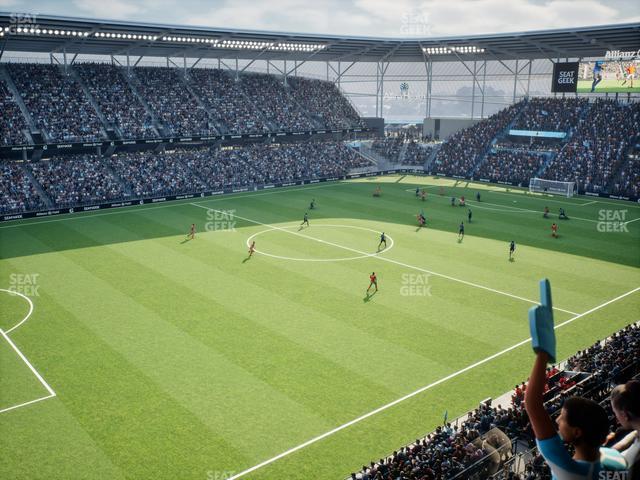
<point>109,9</point>
<point>377,18</point>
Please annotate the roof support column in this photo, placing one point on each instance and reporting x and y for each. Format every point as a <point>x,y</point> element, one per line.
<point>430,87</point>
<point>284,73</point>
<point>484,83</point>
<point>473,89</point>
<point>529,77</point>
<point>515,81</point>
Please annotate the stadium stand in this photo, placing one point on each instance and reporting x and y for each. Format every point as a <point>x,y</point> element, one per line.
<point>18,193</point>
<point>510,166</point>
<point>118,103</point>
<point>596,150</point>
<point>461,153</point>
<point>171,103</point>
<point>76,180</point>
<point>223,97</point>
<point>56,102</point>
<point>551,114</point>
<point>324,101</point>
<point>13,125</point>
<point>275,103</point>
<point>472,447</point>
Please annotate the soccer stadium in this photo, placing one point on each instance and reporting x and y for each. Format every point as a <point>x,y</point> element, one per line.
<point>235,253</point>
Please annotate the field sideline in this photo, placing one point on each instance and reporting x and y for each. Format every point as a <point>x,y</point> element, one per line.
<point>169,358</point>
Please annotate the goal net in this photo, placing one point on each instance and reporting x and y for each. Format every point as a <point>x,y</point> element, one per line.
<point>551,186</point>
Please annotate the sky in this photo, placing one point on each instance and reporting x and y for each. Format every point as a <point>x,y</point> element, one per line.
<point>392,18</point>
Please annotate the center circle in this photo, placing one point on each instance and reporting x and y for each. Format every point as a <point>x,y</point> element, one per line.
<point>356,257</point>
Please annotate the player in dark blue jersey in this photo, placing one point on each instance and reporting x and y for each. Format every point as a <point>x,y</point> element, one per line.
<point>461,231</point>
<point>383,239</point>
<point>597,74</point>
<point>305,220</point>
<point>512,249</point>
<point>469,215</point>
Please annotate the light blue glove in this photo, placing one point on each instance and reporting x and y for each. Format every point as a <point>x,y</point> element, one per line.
<point>543,337</point>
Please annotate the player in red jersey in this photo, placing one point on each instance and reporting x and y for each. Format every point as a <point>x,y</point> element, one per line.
<point>252,248</point>
<point>554,230</point>
<point>192,233</point>
<point>373,281</point>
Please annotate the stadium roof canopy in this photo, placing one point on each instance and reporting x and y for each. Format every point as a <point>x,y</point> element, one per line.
<point>53,34</point>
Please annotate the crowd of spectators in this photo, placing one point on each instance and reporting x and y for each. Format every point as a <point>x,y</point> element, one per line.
<point>510,166</point>
<point>119,105</point>
<point>88,179</point>
<point>627,180</point>
<point>13,125</point>
<point>260,164</point>
<point>597,149</point>
<point>268,93</point>
<point>389,146</point>
<point>324,101</point>
<point>461,152</point>
<point>17,192</point>
<point>226,102</point>
<point>551,114</point>
<point>56,102</point>
<point>155,173</point>
<point>417,153</point>
<point>171,102</point>
<point>212,101</point>
<point>609,358</point>
<point>452,448</point>
<point>75,180</point>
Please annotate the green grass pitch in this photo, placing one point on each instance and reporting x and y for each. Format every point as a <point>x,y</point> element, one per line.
<point>176,359</point>
<point>609,86</point>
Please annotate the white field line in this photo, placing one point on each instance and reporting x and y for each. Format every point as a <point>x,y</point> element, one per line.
<point>538,196</point>
<point>28,314</point>
<point>365,254</point>
<point>631,221</point>
<point>138,208</point>
<point>417,392</point>
<point>516,209</point>
<point>30,402</point>
<point>23,358</point>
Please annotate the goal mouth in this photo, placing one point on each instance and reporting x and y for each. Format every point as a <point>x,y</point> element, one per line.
<point>552,187</point>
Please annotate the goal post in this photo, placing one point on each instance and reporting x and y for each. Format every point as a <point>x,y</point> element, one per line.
<point>539,185</point>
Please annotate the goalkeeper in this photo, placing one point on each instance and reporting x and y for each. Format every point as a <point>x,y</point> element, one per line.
<point>582,423</point>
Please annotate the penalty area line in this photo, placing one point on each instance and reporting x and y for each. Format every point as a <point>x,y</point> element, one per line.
<point>419,391</point>
<point>5,335</point>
